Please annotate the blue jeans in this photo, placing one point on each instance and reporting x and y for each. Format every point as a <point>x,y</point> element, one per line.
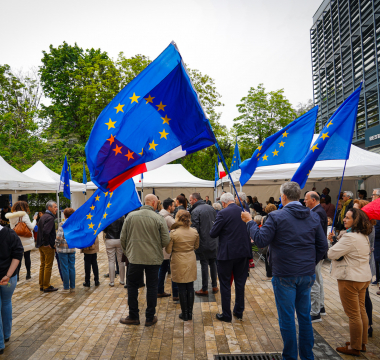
<point>293,294</point>
<point>6,292</point>
<point>164,268</point>
<point>67,262</point>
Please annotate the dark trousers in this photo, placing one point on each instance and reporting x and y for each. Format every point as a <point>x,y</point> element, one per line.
<point>368,307</point>
<point>28,263</point>
<point>377,264</point>
<point>204,266</point>
<point>268,268</point>
<point>186,287</point>
<point>91,260</point>
<point>239,268</point>
<point>135,272</point>
<point>164,268</point>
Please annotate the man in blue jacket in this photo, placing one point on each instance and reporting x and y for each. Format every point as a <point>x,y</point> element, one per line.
<point>296,244</point>
<point>233,253</point>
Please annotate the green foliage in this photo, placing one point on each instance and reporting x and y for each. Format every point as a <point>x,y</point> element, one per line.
<point>37,202</point>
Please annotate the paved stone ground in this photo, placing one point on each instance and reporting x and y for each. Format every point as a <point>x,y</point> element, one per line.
<point>85,325</point>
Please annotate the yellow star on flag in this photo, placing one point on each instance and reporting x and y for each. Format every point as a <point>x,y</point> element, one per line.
<point>166,119</point>
<point>315,147</point>
<point>108,205</point>
<point>258,154</point>
<point>285,134</point>
<point>95,231</point>
<point>111,124</point>
<point>105,215</point>
<point>163,134</point>
<point>324,136</point>
<point>119,108</point>
<point>91,226</point>
<point>260,147</point>
<point>92,207</point>
<point>89,216</point>
<point>265,157</point>
<point>134,98</point>
<point>130,155</point>
<point>111,194</point>
<point>117,150</point>
<point>99,225</point>
<point>149,99</point>
<point>330,123</point>
<point>281,144</point>
<point>152,145</point>
<point>275,152</point>
<point>97,198</point>
<point>105,194</point>
<point>160,107</point>
<point>309,173</point>
<point>142,151</point>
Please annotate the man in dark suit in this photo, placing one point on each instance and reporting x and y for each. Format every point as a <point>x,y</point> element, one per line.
<point>233,254</point>
<point>312,201</point>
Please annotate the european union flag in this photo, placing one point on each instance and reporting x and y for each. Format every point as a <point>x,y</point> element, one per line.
<point>64,185</point>
<point>154,120</point>
<point>216,175</point>
<point>99,211</point>
<point>334,141</point>
<point>236,161</point>
<point>289,145</point>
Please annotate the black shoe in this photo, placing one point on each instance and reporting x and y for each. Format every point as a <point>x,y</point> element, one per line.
<point>126,286</point>
<point>238,317</point>
<point>97,283</point>
<point>141,285</point>
<point>50,289</point>
<point>106,275</point>
<point>1,351</point>
<point>28,276</point>
<point>316,318</point>
<point>41,289</point>
<point>6,340</point>
<point>190,304</point>
<point>220,317</point>
<point>323,311</point>
<point>86,284</point>
<point>370,331</point>
<point>183,303</point>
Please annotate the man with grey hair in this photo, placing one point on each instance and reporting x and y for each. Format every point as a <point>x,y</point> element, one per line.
<point>312,201</point>
<point>234,250</point>
<point>243,199</point>
<point>46,244</point>
<point>202,218</point>
<point>296,244</point>
<point>348,204</point>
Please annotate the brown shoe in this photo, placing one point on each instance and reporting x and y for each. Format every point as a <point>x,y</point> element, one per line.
<point>363,346</point>
<point>150,323</point>
<point>175,298</point>
<point>129,321</point>
<point>201,293</point>
<point>378,293</point>
<point>347,351</point>
<point>164,294</point>
<point>215,290</point>
<point>50,289</point>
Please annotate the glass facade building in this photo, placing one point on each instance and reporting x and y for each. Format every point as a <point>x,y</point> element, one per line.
<point>345,41</point>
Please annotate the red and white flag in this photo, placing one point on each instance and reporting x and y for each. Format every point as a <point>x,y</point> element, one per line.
<point>221,170</point>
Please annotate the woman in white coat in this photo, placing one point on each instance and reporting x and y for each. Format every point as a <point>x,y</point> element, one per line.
<point>20,211</point>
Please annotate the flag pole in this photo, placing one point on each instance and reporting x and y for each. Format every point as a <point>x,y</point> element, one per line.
<point>228,172</point>
<point>337,202</point>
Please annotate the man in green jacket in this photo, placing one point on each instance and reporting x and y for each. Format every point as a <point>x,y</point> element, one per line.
<point>143,236</point>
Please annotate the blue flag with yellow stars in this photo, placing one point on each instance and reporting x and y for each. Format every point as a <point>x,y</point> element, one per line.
<point>70,173</point>
<point>334,141</point>
<point>154,120</point>
<point>216,175</point>
<point>236,161</point>
<point>289,145</point>
<point>64,185</point>
<point>99,211</point>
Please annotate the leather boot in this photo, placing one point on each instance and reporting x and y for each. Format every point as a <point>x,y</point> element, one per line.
<point>183,302</point>
<point>190,304</point>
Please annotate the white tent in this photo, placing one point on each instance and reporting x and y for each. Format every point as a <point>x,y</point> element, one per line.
<point>13,181</point>
<point>361,165</point>
<point>169,181</point>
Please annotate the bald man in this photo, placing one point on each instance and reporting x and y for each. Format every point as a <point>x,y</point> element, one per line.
<point>312,201</point>
<point>143,236</point>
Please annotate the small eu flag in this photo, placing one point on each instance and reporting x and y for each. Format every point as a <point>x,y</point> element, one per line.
<point>154,120</point>
<point>64,185</point>
<point>236,161</point>
<point>216,175</point>
<point>334,141</point>
<point>99,211</point>
<point>289,145</point>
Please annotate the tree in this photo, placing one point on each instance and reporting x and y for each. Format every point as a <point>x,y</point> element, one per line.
<point>262,114</point>
<point>20,95</point>
<point>304,108</point>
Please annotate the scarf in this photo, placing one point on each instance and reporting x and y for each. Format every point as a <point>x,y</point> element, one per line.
<point>343,211</point>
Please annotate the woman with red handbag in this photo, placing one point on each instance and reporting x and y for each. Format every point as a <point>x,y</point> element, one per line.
<point>21,224</point>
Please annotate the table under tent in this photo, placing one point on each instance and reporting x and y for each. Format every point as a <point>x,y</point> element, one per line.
<point>362,172</point>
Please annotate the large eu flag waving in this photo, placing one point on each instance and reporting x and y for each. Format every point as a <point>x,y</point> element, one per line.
<point>289,145</point>
<point>155,119</point>
<point>334,141</point>
<point>99,211</point>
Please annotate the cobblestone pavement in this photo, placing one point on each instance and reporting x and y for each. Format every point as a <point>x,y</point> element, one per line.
<point>85,325</point>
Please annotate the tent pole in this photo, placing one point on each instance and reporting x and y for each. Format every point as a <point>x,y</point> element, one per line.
<point>58,206</point>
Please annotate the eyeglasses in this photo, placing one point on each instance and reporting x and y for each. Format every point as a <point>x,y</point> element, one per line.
<point>375,195</point>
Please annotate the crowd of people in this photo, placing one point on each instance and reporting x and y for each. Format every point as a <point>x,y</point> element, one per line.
<point>293,236</point>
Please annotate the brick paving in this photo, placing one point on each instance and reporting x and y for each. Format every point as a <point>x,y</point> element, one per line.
<point>85,324</point>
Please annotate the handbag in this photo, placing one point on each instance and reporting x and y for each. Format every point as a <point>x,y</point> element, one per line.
<point>22,230</point>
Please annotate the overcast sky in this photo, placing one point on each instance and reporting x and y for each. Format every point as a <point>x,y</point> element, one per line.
<point>239,43</point>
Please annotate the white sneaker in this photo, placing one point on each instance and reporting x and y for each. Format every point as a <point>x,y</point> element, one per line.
<point>64,291</point>
<point>122,283</point>
<point>111,284</point>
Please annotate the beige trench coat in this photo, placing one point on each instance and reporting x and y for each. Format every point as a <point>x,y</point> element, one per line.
<point>183,242</point>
